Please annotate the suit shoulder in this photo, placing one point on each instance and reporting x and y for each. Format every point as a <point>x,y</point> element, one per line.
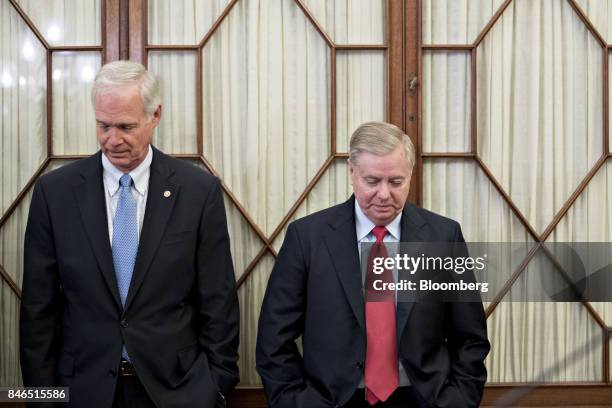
<point>321,217</point>
<point>190,173</point>
<point>446,226</point>
<point>59,176</point>
<point>435,218</point>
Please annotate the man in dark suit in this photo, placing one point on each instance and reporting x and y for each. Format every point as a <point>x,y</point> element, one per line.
<point>129,295</point>
<point>358,353</point>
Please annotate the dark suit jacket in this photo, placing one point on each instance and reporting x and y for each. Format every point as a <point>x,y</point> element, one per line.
<point>180,321</point>
<point>315,291</point>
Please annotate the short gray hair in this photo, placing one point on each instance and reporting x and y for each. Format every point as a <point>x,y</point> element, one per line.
<point>380,139</point>
<point>119,73</point>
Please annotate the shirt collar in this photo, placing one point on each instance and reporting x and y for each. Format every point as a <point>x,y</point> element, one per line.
<point>140,175</point>
<point>364,225</point>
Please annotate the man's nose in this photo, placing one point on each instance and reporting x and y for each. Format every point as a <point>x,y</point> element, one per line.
<point>383,191</point>
<point>114,136</point>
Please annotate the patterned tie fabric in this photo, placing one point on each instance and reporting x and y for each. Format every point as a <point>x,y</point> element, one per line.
<point>125,240</point>
<point>381,365</point>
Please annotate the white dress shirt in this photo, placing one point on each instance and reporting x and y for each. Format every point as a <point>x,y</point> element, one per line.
<point>363,227</point>
<point>140,175</point>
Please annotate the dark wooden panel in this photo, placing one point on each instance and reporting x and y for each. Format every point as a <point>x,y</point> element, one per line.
<point>410,88</point>
<point>248,398</point>
<point>110,38</point>
<point>138,30</point>
<point>555,395</point>
<point>550,395</point>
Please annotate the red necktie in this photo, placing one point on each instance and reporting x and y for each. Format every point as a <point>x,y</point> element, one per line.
<point>381,365</point>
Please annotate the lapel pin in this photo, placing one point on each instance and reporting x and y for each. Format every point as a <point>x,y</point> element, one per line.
<point>167,193</point>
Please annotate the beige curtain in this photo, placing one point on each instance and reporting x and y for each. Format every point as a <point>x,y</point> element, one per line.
<point>66,22</point>
<point>266,112</point>
<point>182,22</point>
<point>69,23</point>
<point>266,115</point>
<point>333,188</point>
<point>589,220</point>
<point>74,123</point>
<point>10,374</point>
<point>361,92</point>
<point>23,100</point>
<point>539,125</point>
<point>455,21</point>
<point>177,132</point>
<point>446,101</point>
<point>599,13</point>
<point>245,244</point>
<point>22,150</point>
<point>350,21</point>
<point>24,122</point>
<point>12,234</point>
<point>266,125</point>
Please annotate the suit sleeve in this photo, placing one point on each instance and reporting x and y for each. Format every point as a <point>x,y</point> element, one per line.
<point>218,303</point>
<point>41,305</point>
<point>468,346</point>
<point>281,322</point>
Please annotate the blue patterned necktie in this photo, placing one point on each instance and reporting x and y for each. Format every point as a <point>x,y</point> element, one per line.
<point>125,240</point>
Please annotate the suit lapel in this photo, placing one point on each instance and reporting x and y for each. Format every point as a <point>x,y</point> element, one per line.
<point>157,213</point>
<point>89,192</point>
<point>413,230</point>
<point>342,244</point>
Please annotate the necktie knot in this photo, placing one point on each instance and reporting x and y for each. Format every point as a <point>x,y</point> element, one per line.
<point>125,180</point>
<point>379,232</point>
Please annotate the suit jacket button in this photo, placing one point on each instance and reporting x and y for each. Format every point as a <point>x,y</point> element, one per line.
<point>124,323</point>
<point>112,373</point>
<point>359,365</point>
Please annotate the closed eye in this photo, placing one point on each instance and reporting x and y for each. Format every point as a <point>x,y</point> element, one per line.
<point>127,128</point>
<point>122,127</point>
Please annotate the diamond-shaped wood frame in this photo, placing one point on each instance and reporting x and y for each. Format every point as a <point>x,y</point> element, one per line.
<point>539,239</point>
<point>327,162</point>
<point>49,112</point>
<point>139,8</point>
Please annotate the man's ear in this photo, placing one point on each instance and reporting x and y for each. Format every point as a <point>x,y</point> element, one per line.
<point>351,171</point>
<point>156,117</point>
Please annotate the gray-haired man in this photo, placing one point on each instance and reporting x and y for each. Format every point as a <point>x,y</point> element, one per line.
<point>129,295</point>
<point>359,353</point>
